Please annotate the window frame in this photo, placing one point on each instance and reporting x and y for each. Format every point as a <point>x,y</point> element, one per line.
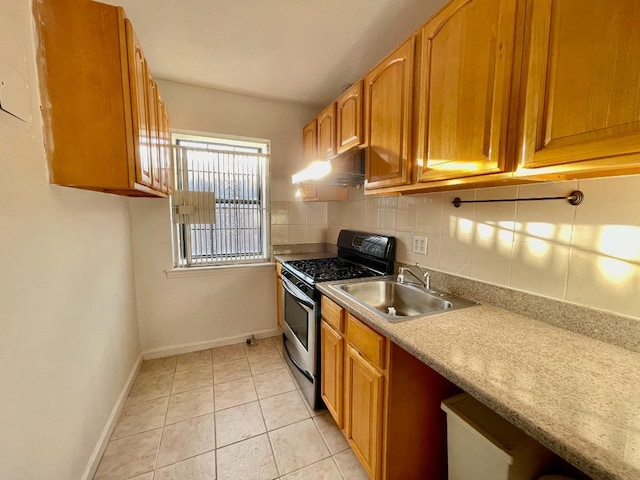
<point>183,257</point>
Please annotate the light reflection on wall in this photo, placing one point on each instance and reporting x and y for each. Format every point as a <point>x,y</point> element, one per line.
<point>620,245</point>
<point>461,228</point>
<point>620,241</point>
<point>549,248</point>
<point>540,229</point>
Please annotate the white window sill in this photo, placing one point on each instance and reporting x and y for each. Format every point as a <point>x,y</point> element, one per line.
<point>218,270</point>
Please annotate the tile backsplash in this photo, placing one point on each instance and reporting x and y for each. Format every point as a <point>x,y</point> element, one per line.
<point>589,254</point>
<point>298,222</point>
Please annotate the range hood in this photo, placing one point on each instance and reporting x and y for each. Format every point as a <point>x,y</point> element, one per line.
<point>344,169</point>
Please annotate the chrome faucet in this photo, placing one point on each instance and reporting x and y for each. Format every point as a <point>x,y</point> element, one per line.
<point>423,276</point>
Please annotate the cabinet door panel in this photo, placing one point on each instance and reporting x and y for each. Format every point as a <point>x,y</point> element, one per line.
<point>332,353</point>
<point>138,86</point>
<point>327,132</point>
<point>364,404</point>
<point>154,136</point>
<point>466,74</point>
<point>309,142</point>
<point>388,107</point>
<point>349,121</point>
<point>164,147</point>
<point>581,97</point>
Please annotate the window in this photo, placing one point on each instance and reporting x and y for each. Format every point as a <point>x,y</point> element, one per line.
<point>219,208</point>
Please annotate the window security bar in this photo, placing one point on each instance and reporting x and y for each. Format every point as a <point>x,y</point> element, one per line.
<point>574,198</point>
<point>219,206</point>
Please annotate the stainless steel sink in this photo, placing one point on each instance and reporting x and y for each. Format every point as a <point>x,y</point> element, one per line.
<point>396,302</point>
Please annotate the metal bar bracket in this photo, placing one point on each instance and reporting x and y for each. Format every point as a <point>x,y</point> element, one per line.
<point>574,198</point>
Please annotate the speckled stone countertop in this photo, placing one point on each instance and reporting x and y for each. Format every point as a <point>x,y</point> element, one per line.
<point>286,257</point>
<point>577,395</point>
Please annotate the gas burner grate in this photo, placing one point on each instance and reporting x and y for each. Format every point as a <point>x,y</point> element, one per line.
<point>329,269</point>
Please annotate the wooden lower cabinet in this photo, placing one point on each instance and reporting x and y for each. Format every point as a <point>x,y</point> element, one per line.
<point>332,365</point>
<point>386,401</point>
<point>364,401</point>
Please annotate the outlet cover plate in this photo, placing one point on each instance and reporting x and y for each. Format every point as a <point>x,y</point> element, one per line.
<point>419,244</point>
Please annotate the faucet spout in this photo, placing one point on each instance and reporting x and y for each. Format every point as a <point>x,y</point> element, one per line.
<point>422,277</point>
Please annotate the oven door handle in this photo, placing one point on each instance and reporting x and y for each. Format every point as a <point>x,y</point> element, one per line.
<point>299,296</point>
<point>296,364</point>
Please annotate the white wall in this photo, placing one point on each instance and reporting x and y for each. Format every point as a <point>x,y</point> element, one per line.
<point>589,254</point>
<point>68,330</point>
<point>227,306</point>
<point>212,111</point>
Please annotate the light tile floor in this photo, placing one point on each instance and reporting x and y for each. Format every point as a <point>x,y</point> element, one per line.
<point>228,413</point>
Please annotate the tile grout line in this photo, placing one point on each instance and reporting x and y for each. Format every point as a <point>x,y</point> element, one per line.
<point>155,461</point>
<point>181,460</point>
<point>215,420</point>
<point>156,468</point>
<point>252,375</point>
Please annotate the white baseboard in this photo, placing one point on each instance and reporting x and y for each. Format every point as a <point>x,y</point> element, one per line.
<point>195,346</point>
<point>101,445</point>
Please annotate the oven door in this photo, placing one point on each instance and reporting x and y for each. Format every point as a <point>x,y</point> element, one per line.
<point>299,328</point>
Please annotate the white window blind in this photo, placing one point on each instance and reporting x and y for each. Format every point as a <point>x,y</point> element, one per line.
<point>219,207</point>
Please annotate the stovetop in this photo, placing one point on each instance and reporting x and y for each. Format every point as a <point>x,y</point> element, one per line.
<point>328,269</point>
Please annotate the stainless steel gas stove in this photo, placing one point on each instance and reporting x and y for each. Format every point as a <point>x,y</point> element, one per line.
<point>360,254</point>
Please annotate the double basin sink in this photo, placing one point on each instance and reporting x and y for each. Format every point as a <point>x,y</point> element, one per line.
<point>397,302</point>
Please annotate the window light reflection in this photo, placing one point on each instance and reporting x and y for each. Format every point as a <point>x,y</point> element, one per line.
<point>461,228</point>
<point>614,269</point>
<point>540,229</point>
<point>538,248</point>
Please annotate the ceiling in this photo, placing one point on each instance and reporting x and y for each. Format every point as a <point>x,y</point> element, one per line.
<point>301,51</point>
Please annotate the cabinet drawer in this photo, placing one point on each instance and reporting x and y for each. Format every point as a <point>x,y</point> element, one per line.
<point>369,343</point>
<point>333,314</point>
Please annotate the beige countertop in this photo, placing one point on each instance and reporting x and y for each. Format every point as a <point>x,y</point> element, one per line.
<point>286,257</point>
<point>578,396</point>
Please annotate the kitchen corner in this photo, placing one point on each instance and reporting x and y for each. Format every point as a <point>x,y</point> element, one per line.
<point>575,394</point>
<point>152,153</point>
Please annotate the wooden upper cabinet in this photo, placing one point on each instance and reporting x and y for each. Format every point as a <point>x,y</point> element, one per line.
<point>139,101</point>
<point>388,119</point>
<point>580,101</point>
<point>164,137</point>
<point>310,153</point>
<point>465,86</point>
<point>152,91</point>
<point>327,132</point>
<point>100,109</point>
<point>349,118</point>
<point>310,142</point>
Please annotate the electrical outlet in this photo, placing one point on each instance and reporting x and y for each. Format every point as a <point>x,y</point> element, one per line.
<point>420,244</point>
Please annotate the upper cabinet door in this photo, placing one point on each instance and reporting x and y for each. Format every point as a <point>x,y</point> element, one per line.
<point>154,130</point>
<point>165,147</point>
<point>465,84</point>
<point>581,95</point>
<point>310,142</point>
<point>327,132</point>
<point>349,113</point>
<point>138,87</point>
<point>388,107</point>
